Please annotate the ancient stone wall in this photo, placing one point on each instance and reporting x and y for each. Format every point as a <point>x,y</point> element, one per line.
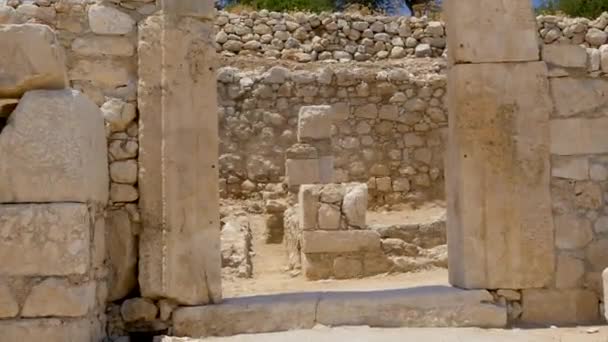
<point>387,129</point>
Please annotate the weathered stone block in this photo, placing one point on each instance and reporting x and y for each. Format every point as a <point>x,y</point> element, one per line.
<point>473,27</point>
<point>354,205</point>
<point>347,268</point>
<point>57,297</point>
<point>543,306</point>
<point>570,272</point>
<point>565,55</point>
<point>32,58</point>
<point>579,136</point>
<point>498,174</point>
<point>54,150</point>
<point>431,306</point>
<point>578,95</point>
<point>329,217</point>
<point>314,122</point>
<point>302,171</point>
<point>106,19</point>
<point>44,239</point>
<point>121,253</point>
<point>570,168</point>
<point>326,169</point>
<point>9,307</point>
<point>103,46</point>
<point>572,232</point>
<point>193,8</point>
<point>138,309</point>
<point>179,245</point>
<point>308,200</point>
<point>50,330</point>
<point>340,241</point>
<point>247,315</point>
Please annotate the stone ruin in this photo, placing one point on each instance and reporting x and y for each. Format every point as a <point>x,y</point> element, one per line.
<point>113,228</point>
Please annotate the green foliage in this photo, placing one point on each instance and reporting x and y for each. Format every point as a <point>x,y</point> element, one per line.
<point>575,8</point>
<point>290,5</point>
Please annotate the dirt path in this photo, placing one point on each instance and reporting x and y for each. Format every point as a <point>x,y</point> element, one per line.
<point>270,276</point>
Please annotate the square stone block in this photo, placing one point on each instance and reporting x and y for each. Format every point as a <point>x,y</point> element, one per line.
<point>575,96</point>
<point>543,306</point>
<point>302,171</point>
<point>579,136</point>
<point>314,122</point>
<point>565,55</point>
<point>340,241</point>
<point>308,203</point>
<point>483,31</point>
<point>44,239</point>
<point>500,225</point>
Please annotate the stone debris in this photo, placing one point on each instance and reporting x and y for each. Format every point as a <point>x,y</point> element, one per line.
<point>236,247</point>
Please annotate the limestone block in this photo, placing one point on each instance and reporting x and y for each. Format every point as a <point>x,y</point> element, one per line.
<point>570,272</point>
<point>44,239</point>
<point>138,309</point>
<point>247,315</point>
<point>50,330</point>
<point>329,217</point>
<point>604,57</point>
<point>347,268</point>
<point>572,232</point>
<point>179,245</point>
<point>194,8</point>
<point>501,231</point>
<point>430,306</point>
<point>574,306</point>
<point>579,136</point>
<point>578,95</point>
<point>9,307</point>
<point>354,205</point>
<point>57,297</point>
<point>597,255</point>
<point>103,46</point>
<point>54,149</point>
<point>326,169</point>
<point>121,254</point>
<point>118,114</point>
<point>32,58</point>
<point>340,241</point>
<point>473,27</point>
<point>302,171</point>
<point>124,171</point>
<point>106,19</point>
<point>308,200</point>
<point>565,55</point>
<point>123,193</point>
<point>105,72</point>
<point>570,168</point>
<point>314,122</point>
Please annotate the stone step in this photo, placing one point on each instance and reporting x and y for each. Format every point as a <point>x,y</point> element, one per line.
<point>427,306</point>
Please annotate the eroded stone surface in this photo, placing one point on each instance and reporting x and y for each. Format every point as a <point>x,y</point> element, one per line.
<point>474,26</point>
<point>50,330</point>
<point>121,253</point>
<point>44,239</point>
<point>498,171</point>
<point>579,136</point>
<point>180,241</point>
<point>57,297</point>
<point>8,303</point>
<point>559,306</point>
<point>54,149</point>
<point>340,241</point>
<point>32,58</point>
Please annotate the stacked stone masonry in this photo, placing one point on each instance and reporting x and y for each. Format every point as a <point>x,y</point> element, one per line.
<point>327,237</point>
<point>54,189</point>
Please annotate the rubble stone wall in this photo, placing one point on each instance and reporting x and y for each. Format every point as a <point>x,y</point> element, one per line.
<point>387,130</point>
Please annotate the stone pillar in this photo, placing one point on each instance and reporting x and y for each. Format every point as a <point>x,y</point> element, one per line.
<point>180,241</point>
<point>310,161</point>
<point>500,227</point>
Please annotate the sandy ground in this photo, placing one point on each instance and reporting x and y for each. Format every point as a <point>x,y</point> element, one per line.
<point>271,277</point>
<point>365,334</point>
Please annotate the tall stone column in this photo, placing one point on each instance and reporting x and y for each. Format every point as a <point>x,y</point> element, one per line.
<point>180,241</point>
<point>500,227</point>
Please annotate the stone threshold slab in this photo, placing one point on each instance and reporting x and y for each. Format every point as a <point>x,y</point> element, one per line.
<point>427,306</point>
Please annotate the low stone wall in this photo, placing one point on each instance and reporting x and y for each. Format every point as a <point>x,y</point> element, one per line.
<point>579,169</point>
<point>337,36</point>
<point>388,128</point>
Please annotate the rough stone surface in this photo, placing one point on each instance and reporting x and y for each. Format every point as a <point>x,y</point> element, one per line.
<point>44,239</point>
<point>57,297</point>
<point>579,136</point>
<point>578,95</point>
<point>32,58</point>
<point>9,307</point>
<point>314,122</point>
<point>473,27</point>
<point>340,241</point>
<point>54,148</point>
<point>179,246</point>
<point>499,204</point>
<point>50,330</point>
<point>567,56</point>
<point>121,253</point>
<point>138,309</point>
<point>559,306</point>
<point>354,205</point>
<point>106,19</point>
